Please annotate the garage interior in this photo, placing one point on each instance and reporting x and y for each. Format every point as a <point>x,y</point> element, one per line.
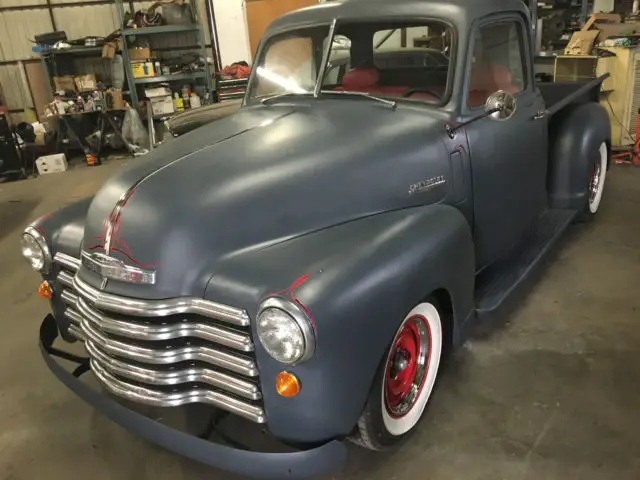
<point>549,393</point>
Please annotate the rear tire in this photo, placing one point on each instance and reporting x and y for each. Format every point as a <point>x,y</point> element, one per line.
<point>597,178</point>
<point>404,381</point>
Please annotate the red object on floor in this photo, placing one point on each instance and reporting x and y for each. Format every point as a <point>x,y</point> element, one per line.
<point>632,156</point>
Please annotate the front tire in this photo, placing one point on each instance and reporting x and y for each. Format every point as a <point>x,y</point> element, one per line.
<point>404,381</point>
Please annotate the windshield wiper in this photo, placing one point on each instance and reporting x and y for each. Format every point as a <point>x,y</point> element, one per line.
<point>391,103</point>
<point>281,95</point>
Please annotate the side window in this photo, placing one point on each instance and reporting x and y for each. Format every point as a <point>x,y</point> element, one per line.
<point>498,62</point>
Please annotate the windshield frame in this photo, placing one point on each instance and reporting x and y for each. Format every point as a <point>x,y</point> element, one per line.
<point>317,92</point>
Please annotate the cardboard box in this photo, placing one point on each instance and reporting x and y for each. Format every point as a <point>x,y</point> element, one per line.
<point>600,19</point>
<point>162,105</point>
<point>86,83</point>
<point>64,83</point>
<point>582,43</point>
<point>110,49</point>
<point>609,25</point>
<point>116,99</point>
<point>139,53</point>
<point>142,69</point>
<point>157,92</point>
<point>52,163</point>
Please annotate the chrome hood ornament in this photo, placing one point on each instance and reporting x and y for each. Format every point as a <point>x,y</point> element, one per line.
<point>110,268</point>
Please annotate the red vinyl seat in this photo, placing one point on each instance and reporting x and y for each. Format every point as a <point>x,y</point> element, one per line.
<point>367,80</point>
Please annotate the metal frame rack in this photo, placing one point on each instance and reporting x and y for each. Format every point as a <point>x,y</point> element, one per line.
<point>203,75</point>
<point>48,58</point>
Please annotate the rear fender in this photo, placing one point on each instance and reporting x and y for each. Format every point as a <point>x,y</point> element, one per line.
<point>576,134</point>
<point>357,281</point>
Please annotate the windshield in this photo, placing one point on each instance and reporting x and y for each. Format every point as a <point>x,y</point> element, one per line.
<point>385,59</point>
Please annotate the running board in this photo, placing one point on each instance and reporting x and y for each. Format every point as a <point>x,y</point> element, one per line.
<point>498,283</point>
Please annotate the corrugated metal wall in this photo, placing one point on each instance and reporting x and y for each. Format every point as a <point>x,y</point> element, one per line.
<point>19,27</point>
<point>78,22</point>
<point>17,31</point>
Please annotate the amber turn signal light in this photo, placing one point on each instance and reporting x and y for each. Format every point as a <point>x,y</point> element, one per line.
<point>287,384</point>
<point>45,290</point>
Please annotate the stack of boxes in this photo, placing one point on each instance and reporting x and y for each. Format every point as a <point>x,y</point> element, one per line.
<point>161,100</point>
<point>141,65</point>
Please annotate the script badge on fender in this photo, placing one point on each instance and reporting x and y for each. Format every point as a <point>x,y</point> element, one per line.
<point>427,184</point>
<point>110,268</point>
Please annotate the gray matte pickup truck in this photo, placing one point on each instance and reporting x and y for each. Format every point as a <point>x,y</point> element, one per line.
<point>306,263</point>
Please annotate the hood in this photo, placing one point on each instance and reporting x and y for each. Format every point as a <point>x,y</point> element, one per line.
<point>191,119</point>
<point>261,176</point>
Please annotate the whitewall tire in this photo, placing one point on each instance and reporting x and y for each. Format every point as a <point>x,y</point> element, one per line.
<point>405,380</point>
<point>597,179</point>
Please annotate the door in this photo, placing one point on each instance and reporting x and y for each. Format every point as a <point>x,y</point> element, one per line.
<point>260,13</point>
<point>508,158</point>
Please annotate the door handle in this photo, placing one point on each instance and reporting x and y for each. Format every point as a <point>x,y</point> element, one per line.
<point>540,114</point>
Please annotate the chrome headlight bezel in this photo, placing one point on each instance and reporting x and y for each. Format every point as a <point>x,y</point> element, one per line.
<point>299,317</point>
<point>41,242</point>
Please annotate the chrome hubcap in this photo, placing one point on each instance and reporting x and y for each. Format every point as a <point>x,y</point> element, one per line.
<point>400,363</point>
<point>595,181</point>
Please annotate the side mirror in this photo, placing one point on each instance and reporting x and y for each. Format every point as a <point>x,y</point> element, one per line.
<point>500,106</point>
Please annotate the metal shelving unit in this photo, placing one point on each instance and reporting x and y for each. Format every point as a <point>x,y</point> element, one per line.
<point>160,29</point>
<point>170,78</point>
<point>203,76</point>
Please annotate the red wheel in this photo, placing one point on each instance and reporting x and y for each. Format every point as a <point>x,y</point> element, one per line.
<point>407,366</point>
<point>405,380</point>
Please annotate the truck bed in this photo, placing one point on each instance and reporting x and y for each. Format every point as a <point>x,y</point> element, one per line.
<point>559,95</point>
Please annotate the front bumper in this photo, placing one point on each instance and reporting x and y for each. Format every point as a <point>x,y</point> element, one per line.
<point>301,464</point>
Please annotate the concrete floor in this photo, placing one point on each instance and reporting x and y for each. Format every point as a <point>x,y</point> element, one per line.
<point>554,393</point>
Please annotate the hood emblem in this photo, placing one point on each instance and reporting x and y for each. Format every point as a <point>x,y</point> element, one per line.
<point>110,268</point>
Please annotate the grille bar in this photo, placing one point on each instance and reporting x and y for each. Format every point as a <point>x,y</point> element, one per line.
<point>235,363</point>
<point>139,394</point>
<point>69,298</point>
<point>75,318</point>
<point>140,331</point>
<point>140,349</point>
<point>65,279</point>
<point>174,377</point>
<point>67,261</point>
<point>160,308</point>
<point>76,332</point>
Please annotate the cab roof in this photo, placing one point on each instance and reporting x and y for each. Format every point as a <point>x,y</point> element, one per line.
<point>458,12</point>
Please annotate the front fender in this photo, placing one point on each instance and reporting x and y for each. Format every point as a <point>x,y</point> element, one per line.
<point>358,281</point>
<point>577,133</point>
<point>64,228</point>
<point>63,231</point>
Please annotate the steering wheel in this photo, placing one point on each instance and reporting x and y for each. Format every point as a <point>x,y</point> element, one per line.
<point>412,91</point>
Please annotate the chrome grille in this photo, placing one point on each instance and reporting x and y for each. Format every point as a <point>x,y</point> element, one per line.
<point>164,352</point>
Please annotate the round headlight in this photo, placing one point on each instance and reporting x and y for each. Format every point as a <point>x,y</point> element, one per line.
<point>34,249</point>
<point>285,332</point>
